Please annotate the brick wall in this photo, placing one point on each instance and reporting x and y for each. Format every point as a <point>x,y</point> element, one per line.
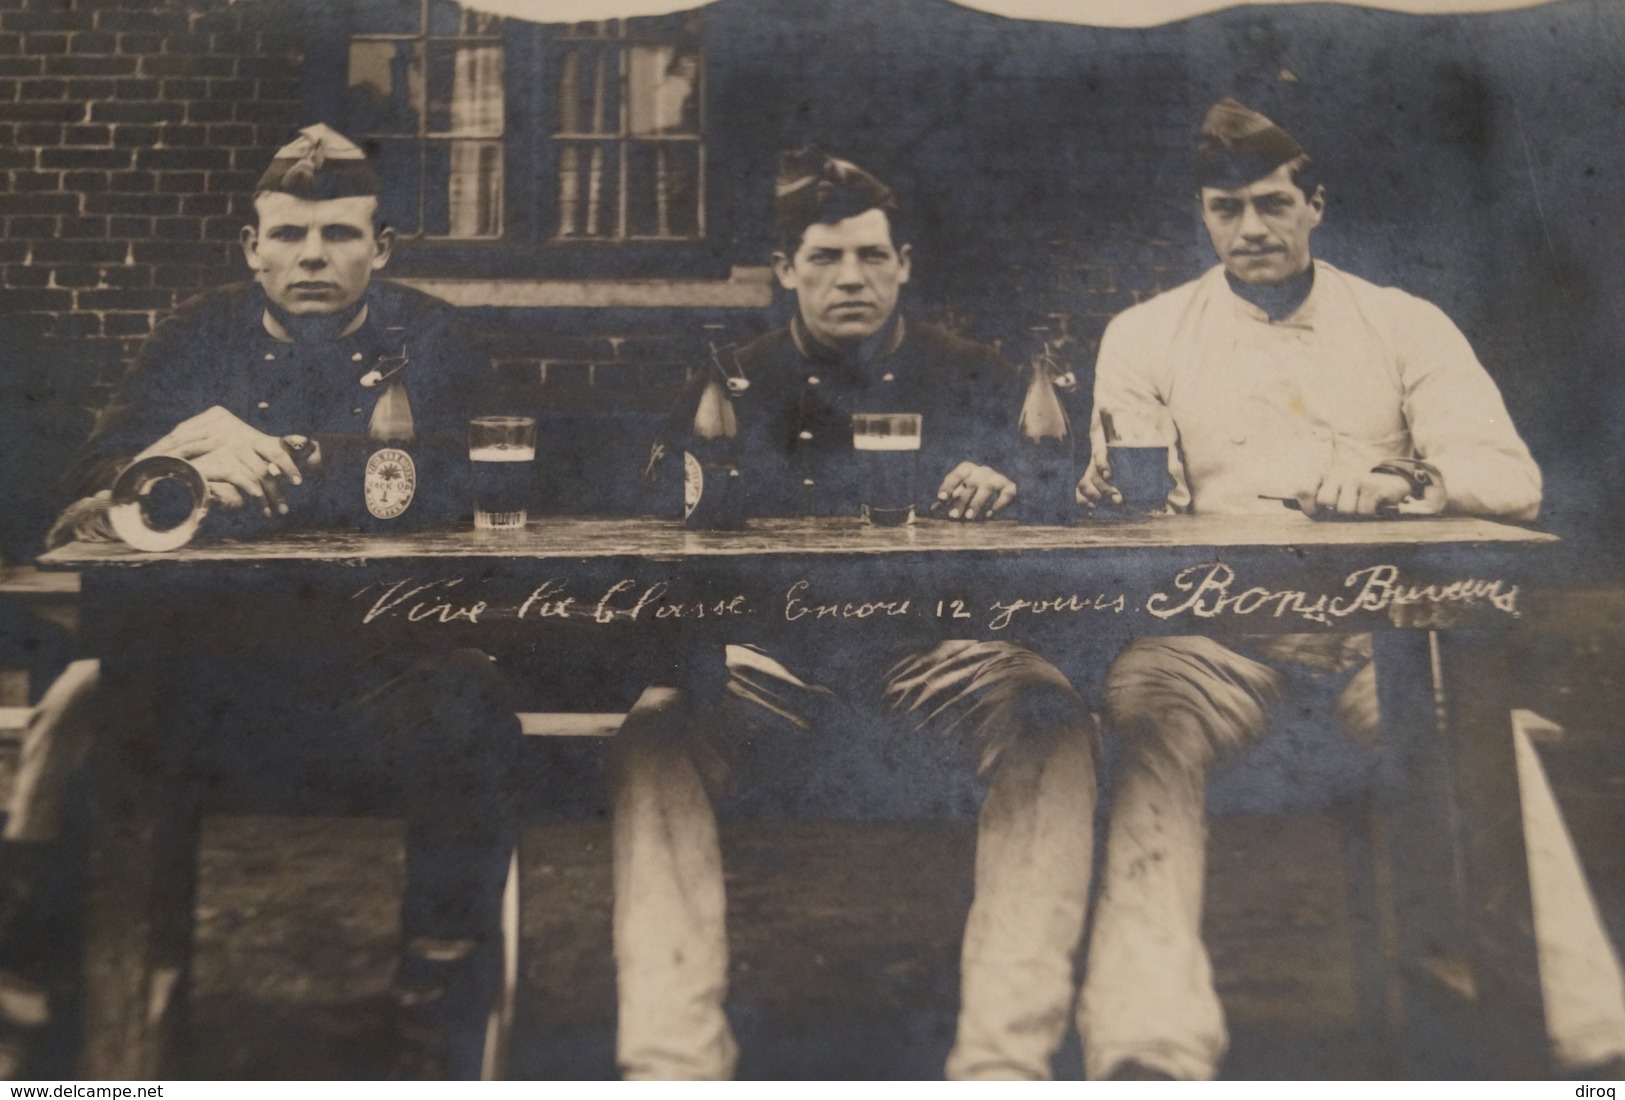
<point>630,358</point>
<point>131,132</point>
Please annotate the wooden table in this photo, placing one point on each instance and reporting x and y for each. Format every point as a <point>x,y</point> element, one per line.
<point>644,591</point>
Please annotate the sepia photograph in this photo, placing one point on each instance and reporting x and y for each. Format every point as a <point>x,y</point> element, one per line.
<point>802,540</point>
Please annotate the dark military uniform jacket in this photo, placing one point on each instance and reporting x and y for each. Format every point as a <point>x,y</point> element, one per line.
<point>795,416</point>
<point>214,350</point>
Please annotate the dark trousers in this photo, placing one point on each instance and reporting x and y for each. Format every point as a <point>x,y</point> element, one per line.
<point>430,736</point>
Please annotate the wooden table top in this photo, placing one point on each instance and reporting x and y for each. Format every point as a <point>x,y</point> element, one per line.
<point>566,538</point>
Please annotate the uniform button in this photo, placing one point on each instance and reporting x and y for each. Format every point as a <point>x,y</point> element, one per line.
<point>804,435</point>
<point>264,405</point>
<point>888,377</point>
<point>806,481</point>
<point>355,412</point>
<point>269,356</point>
<point>356,358</point>
<point>813,380</point>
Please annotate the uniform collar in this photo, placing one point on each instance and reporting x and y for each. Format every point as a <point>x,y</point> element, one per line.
<point>372,346</point>
<point>858,359</point>
<point>262,307</point>
<point>1300,315</point>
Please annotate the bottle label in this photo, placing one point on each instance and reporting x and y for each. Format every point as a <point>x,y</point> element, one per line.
<point>693,484</point>
<point>391,482</point>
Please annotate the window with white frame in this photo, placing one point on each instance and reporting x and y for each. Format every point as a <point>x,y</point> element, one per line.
<point>630,152</point>
<point>608,146</point>
<point>426,94</point>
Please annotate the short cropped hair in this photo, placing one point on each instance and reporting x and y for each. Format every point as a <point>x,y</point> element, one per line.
<point>814,188</point>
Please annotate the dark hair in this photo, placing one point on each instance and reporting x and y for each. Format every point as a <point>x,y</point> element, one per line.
<point>1302,170</point>
<point>379,224</point>
<point>1305,174</point>
<point>790,239</point>
<point>813,187</point>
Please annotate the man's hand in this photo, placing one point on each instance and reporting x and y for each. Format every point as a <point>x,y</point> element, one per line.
<point>1365,494</point>
<point>1433,500</point>
<point>237,461</point>
<point>968,488</point>
<point>85,520</point>
<point>1096,483</point>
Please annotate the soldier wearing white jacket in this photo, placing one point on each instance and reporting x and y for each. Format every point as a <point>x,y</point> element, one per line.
<point>1277,376</point>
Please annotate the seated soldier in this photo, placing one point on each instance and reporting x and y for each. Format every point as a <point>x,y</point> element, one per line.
<point>298,355</point>
<point>1282,377</point>
<point>1004,710</point>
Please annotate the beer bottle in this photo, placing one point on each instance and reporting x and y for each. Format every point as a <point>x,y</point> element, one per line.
<point>1045,476</point>
<point>390,478</point>
<point>712,499</point>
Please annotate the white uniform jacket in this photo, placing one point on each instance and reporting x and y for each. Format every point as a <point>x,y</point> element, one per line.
<point>1357,374</point>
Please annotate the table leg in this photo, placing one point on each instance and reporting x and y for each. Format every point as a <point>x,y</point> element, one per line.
<point>138,927</point>
<point>1470,1001</point>
<point>1474,672</point>
<point>1368,888</point>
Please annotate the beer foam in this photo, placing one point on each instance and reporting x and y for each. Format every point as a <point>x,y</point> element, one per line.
<point>886,442</point>
<point>502,452</point>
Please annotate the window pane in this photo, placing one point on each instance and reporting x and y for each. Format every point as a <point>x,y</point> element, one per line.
<point>449,19</point>
<point>387,16</point>
<point>589,189</point>
<point>600,28</point>
<point>684,26</point>
<point>465,90</point>
<point>589,86</point>
<point>400,172</point>
<point>474,193</point>
<point>420,73</point>
<point>663,189</point>
<point>385,87</point>
<point>663,90</point>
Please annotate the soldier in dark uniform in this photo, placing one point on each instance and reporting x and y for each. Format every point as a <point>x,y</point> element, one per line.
<point>306,350</point>
<point>304,354</point>
<point>849,349</point>
<point>997,708</point>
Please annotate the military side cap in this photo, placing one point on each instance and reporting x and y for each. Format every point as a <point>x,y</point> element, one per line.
<point>1237,145</point>
<point>813,186</point>
<point>320,163</point>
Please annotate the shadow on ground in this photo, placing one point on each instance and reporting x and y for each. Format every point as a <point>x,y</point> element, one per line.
<point>845,949</point>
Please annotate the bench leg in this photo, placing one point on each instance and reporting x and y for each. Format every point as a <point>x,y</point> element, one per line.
<point>499,1028</point>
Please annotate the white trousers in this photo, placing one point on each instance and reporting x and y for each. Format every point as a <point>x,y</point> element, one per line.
<point>1032,739</point>
<point>60,731</point>
<point>1180,703</point>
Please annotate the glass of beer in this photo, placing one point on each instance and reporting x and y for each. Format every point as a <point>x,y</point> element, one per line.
<point>1137,452</point>
<point>503,452</point>
<point>888,450</point>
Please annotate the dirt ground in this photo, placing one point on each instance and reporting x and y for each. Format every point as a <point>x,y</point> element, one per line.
<point>845,935</point>
<point>845,947</point>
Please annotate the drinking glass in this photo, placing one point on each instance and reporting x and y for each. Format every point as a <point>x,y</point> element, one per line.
<point>503,452</point>
<point>888,450</point>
